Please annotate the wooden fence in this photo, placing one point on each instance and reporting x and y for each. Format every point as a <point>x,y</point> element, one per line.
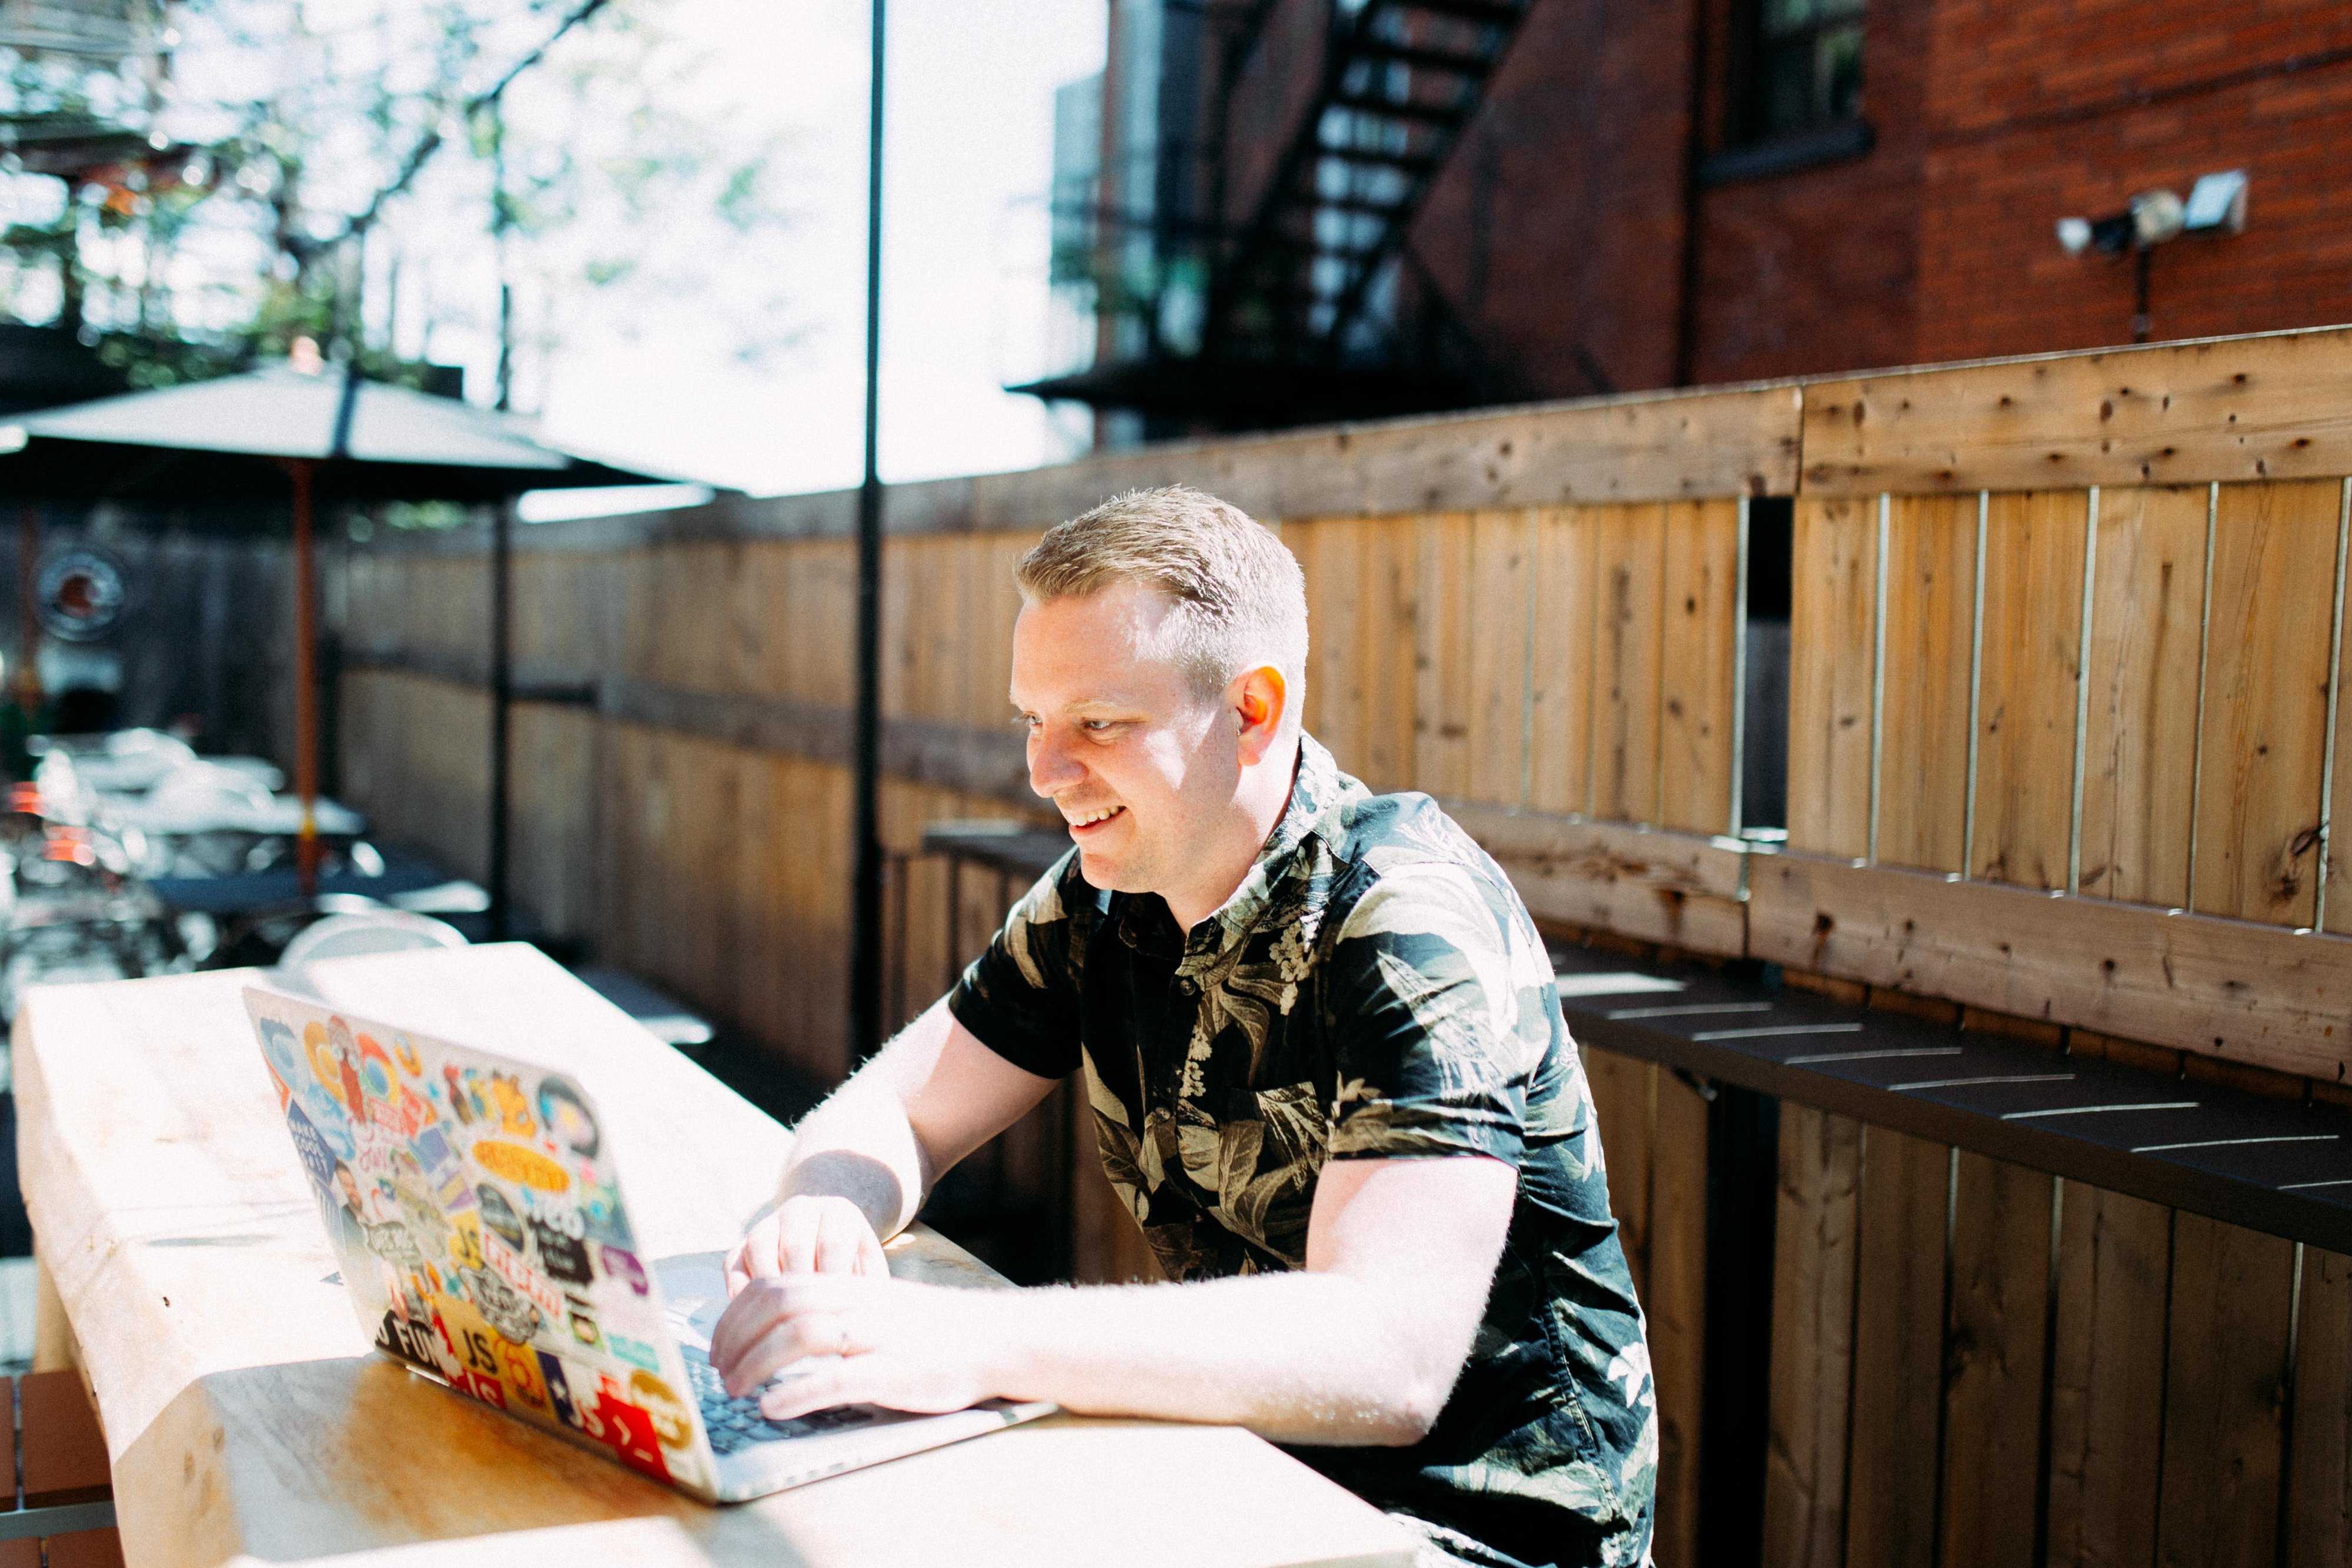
<point>2065,649</point>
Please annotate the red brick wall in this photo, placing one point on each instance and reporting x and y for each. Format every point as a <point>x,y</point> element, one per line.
<point>1560,223</point>
<point>1818,270</point>
<point>2122,97</point>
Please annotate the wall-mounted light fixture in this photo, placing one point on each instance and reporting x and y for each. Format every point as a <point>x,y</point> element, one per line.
<point>2216,205</point>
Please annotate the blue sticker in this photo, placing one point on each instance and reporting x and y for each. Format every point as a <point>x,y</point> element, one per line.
<point>284,1060</point>
<point>317,1158</point>
<point>559,1390</point>
<point>433,1152</point>
<point>636,1352</point>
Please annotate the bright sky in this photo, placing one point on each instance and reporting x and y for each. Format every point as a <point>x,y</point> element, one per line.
<point>970,152</point>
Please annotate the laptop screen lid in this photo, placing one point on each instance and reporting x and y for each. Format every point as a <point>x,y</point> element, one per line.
<point>473,1202</point>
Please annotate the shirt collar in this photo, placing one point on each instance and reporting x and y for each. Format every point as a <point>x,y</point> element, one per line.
<point>1316,792</point>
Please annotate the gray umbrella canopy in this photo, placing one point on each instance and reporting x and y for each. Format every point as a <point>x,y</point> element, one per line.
<point>226,453</point>
<point>230,440</point>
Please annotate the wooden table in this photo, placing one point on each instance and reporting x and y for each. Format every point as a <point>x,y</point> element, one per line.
<point>248,1420</point>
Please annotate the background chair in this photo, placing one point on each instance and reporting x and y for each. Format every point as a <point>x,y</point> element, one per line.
<point>375,931</point>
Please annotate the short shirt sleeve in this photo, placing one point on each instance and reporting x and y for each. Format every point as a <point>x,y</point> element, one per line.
<point>1020,999</point>
<point>1427,1002</point>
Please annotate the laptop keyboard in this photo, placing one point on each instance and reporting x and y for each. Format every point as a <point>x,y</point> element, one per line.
<point>736,1423</point>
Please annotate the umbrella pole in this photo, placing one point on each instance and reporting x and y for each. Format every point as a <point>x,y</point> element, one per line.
<point>306,695</point>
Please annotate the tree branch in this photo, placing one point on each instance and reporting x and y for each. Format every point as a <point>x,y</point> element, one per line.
<point>430,142</point>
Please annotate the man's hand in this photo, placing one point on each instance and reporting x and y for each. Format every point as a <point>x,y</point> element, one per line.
<point>862,1341</point>
<point>813,1234</point>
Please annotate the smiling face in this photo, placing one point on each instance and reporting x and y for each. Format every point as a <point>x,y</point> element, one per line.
<point>1165,789</point>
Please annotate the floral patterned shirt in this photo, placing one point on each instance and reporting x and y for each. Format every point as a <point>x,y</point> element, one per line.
<point>1374,990</point>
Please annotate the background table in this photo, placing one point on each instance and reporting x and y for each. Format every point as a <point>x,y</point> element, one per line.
<point>248,1418</point>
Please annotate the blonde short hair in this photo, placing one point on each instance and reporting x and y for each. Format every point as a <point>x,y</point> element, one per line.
<point>1240,597</point>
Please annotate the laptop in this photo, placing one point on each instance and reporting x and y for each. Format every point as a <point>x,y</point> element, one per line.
<point>474,1205</point>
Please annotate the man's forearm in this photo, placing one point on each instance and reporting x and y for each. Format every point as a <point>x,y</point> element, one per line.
<point>858,1145</point>
<point>1296,1357</point>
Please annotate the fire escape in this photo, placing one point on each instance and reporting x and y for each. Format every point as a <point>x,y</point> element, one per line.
<point>1306,304</point>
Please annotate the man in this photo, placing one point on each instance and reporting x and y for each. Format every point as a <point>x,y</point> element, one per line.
<point>1329,1077</point>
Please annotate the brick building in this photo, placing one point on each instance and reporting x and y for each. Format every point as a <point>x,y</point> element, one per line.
<point>1311,208</point>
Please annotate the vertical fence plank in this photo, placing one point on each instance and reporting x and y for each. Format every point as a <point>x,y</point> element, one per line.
<point>1931,597</point>
<point>1676,1307</point>
<point>740,625</point>
<point>1446,631</point>
<point>1833,637</point>
<point>2106,1376</point>
<point>2320,1498</point>
<point>554,814</point>
<point>1304,540</point>
<point>1561,660</point>
<point>904,580</point>
<point>827,917</point>
<point>633,588</point>
<point>822,609</point>
<point>2265,722</point>
<point>1621,1102</point>
<point>1388,640</point>
<point>1697,750</point>
<point>2337,899</point>
<point>2026,705</point>
<point>2146,618</point>
<point>768,594</point>
<point>774,831</point>
<point>1812,1348</point>
<point>1992,1400</point>
<point>1336,680</point>
<point>2225,1393</point>
<point>1501,571</point>
<point>1627,663</point>
<point>996,605</point>
<point>1901,1206</point>
<point>949,624</point>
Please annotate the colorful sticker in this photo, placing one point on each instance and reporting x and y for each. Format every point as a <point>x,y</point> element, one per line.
<point>512,1108</point>
<point>511,1269</point>
<point>413,1340</point>
<point>499,1217</point>
<point>567,1118</point>
<point>630,1429</point>
<point>634,1351</point>
<point>318,1160</point>
<point>526,1168</point>
<point>624,1267</point>
<point>510,1315</point>
<point>565,1258</point>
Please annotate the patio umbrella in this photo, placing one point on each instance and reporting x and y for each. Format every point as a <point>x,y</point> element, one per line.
<point>212,449</point>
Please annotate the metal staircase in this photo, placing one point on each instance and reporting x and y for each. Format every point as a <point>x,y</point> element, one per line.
<point>1401,79</point>
<point>1309,307</point>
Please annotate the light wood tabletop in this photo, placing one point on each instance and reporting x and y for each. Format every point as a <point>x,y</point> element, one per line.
<point>248,1419</point>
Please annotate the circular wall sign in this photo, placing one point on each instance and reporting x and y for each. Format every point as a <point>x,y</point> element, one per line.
<point>80,592</point>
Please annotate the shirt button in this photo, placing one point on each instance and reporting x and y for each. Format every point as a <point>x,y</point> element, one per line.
<point>1186,986</point>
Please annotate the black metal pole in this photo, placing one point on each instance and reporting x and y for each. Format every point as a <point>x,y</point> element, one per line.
<point>2140,255</point>
<point>501,540</point>
<point>501,704</point>
<point>865,906</point>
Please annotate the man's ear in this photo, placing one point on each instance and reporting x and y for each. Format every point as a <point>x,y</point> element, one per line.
<point>1261,698</point>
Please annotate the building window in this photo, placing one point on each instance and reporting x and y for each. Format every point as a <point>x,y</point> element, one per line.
<point>1804,66</point>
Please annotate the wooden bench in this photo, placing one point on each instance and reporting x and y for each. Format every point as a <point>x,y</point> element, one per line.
<point>59,1493</point>
<point>2280,1167</point>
